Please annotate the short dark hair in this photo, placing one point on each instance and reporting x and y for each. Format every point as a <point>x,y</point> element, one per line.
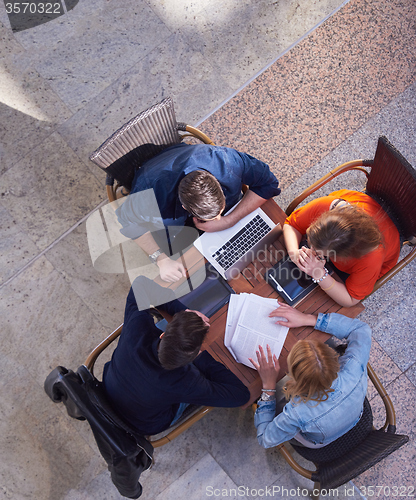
<point>201,194</point>
<point>182,340</point>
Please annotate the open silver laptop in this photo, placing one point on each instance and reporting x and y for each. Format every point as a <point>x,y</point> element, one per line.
<point>229,251</point>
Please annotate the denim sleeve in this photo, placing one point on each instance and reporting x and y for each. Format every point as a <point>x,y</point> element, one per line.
<point>258,177</point>
<point>271,430</point>
<point>357,333</point>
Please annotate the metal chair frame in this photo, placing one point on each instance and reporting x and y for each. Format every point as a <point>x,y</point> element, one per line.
<point>183,424</point>
<point>360,165</point>
<point>157,126</point>
<point>388,427</point>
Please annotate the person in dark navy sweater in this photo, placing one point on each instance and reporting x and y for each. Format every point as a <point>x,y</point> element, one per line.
<point>152,376</point>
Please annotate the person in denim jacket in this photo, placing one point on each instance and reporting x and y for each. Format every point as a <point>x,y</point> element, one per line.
<point>326,393</point>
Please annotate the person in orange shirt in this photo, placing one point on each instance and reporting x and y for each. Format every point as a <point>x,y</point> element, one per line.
<point>354,232</point>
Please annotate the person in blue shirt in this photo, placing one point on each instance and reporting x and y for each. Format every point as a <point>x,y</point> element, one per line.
<point>153,376</point>
<point>325,392</point>
<point>191,185</point>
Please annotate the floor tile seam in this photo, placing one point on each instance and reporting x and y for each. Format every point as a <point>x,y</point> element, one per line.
<point>185,472</point>
<point>52,245</point>
<point>388,385</point>
<point>74,110</point>
<point>404,372</point>
<point>54,130</point>
<point>265,68</point>
<point>44,79</point>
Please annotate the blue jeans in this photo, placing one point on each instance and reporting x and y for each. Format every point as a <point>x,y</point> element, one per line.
<point>178,415</point>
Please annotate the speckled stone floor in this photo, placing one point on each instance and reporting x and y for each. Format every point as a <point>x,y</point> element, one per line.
<point>325,79</point>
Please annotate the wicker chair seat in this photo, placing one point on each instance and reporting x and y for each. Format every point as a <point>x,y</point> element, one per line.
<point>377,446</point>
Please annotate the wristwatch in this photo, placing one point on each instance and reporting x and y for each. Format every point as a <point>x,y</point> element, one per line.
<point>267,397</point>
<point>155,255</point>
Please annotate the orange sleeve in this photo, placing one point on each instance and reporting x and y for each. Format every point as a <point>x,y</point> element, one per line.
<point>364,272</point>
<point>303,217</point>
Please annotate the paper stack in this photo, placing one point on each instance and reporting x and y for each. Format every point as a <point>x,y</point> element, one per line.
<point>249,325</point>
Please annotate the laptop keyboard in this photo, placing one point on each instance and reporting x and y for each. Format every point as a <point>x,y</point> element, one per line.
<point>241,242</point>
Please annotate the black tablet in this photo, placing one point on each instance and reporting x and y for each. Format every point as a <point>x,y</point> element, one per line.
<point>289,281</point>
<point>208,297</point>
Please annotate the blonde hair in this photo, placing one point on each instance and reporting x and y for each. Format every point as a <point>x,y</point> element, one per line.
<point>345,232</point>
<point>313,366</point>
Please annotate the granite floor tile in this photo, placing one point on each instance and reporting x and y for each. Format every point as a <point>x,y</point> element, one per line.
<point>392,121</point>
<point>48,322</point>
<point>45,454</point>
<point>204,477</point>
<point>99,487</point>
<point>300,100</point>
<point>48,191</point>
<point>262,30</point>
<point>177,13</point>
<point>386,370</point>
<point>102,47</point>
<point>389,311</point>
<point>104,293</point>
<point>173,68</point>
<point>228,435</point>
<point>398,469</point>
<point>16,248</point>
<point>172,461</point>
<point>402,393</point>
<point>29,108</point>
<point>411,374</point>
<point>294,486</point>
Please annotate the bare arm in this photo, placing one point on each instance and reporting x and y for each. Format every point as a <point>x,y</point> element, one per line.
<point>170,270</point>
<point>249,202</point>
<point>313,266</point>
<point>292,239</point>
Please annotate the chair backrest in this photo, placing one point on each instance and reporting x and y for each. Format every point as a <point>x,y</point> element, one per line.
<point>127,453</point>
<point>392,183</point>
<point>343,444</point>
<point>353,453</point>
<point>143,137</point>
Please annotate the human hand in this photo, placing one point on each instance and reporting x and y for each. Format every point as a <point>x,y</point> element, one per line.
<point>170,270</point>
<point>268,368</point>
<point>292,317</point>
<point>210,226</point>
<point>201,315</point>
<point>310,263</point>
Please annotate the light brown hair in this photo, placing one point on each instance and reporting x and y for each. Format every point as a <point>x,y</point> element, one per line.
<point>201,195</point>
<point>313,366</point>
<point>345,232</point>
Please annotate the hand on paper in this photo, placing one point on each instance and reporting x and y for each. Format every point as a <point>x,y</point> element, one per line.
<point>204,318</point>
<point>268,367</point>
<point>292,317</point>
